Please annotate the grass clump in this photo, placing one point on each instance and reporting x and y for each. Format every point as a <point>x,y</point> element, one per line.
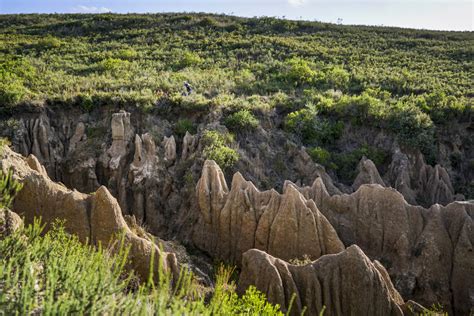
<point>217,148</point>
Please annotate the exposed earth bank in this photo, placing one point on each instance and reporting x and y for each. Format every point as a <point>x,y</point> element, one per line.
<point>396,232</point>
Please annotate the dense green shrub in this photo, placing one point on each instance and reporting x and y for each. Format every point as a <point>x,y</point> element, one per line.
<point>194,102</point>
<point>412,127</point>
<point>338,78</point>
<point>189,59</point>
<point>241,120</point>
<point>127,53</point>
<point>216,148</point>
<point>184,125</point>
<point>345,164</point>
<point>362,109</point>
<point>320,155</point>
<point>311,128</point>
<point>12,92</point>
<point>49,42</point>
<point>113,64</point>
<point>299,72</point>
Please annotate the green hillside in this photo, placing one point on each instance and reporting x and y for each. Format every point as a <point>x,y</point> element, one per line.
<point>405,81</point>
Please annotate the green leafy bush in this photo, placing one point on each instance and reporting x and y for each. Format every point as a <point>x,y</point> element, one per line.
<point>193,102</point>
<point>412,127</point>
<point>189,59</point>
<point>299,72</point>
<point>112,64</point>
<point>184,125</point>
<point>361,109</point>
<point>311,128</point>
<point>320,155</point>
<point>338,78</point>
<point>127,54</point>
<point>49,42</point>
<point>241,120</point>
<point>12,92</point>
<point>346,163</point>
<point>216,149</point>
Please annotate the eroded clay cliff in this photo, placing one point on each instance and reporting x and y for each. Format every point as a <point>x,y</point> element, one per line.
<point>233,221</point>
<point>96,218</point>
<point>428,252</point>
<point>347,283</point>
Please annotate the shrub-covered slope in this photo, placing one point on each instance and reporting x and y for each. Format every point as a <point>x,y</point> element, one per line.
<point>414,84</point>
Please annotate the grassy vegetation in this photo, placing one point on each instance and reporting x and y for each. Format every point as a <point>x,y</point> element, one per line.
<point>138,59</point>
<point>320,76</point>
<point>55,274</point>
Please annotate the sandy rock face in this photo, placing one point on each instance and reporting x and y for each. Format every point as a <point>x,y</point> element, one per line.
<point>418,182</point>
<point>347,283</point>
<point>169,144</point>
<point>368,174</point>
<point>96,217</point>
<point>232,222</point>
<point>189,145</point>
<point>421,248</point>
<point>141,176</point>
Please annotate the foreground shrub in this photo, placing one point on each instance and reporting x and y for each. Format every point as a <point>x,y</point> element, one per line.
<point>12,92</point>
<point>338,78</point>
<point>192,102</point>
<point>49,42</point>
<point>55,274</point>
<point>189,59</point>
<point>112,64</point>
<point>412,127</point>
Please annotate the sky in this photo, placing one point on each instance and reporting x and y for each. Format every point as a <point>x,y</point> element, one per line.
<point>421,14</point>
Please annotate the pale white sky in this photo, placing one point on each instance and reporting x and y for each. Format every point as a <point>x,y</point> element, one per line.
<point>428,14</point>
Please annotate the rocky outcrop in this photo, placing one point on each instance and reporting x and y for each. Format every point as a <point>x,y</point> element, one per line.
<point>347,283</point>
<point>169,144</point>
<point>367,174</point>
<point>141,176</point>
<point>428,252</point>
<point>96,217</point>
<point>189,145</point>
<point>231,222</point>
<point>418,182</point>
<point>79,136</point>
